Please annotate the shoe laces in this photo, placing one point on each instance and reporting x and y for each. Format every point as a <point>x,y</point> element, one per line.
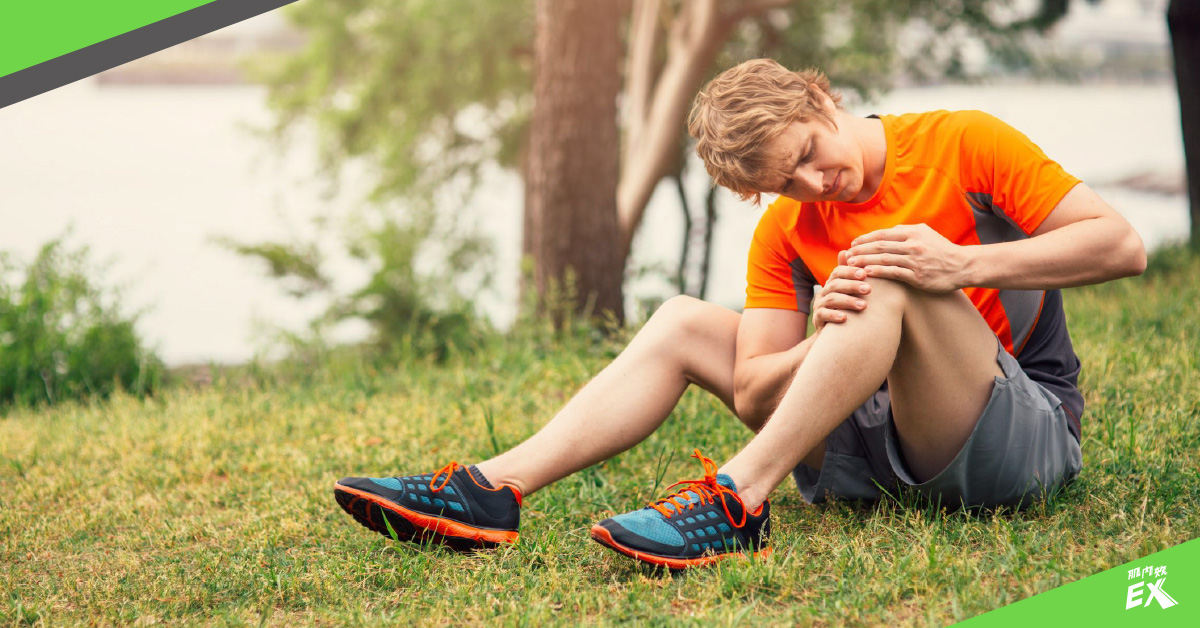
<point>446,471</point>
<point>706,490</point>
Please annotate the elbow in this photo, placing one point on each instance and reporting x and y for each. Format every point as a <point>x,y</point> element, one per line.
<point>745,404</point>
<point>1134,257</point>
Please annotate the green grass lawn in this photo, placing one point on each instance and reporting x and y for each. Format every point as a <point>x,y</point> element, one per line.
<point>215,506</point>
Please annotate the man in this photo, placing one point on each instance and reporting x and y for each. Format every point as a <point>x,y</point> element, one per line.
<point>940,241</point>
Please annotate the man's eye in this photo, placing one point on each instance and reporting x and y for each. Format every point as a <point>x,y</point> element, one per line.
<point>812,151</point>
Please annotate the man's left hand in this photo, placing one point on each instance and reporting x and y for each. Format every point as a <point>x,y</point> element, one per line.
<point>914,254</point>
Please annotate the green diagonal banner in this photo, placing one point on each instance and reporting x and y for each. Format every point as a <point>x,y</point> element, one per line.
<point>46,44</point>
<point>1162,589</point>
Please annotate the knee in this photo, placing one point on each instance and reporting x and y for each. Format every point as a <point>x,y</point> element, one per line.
<point>889,293</point>
<point>679,317</point>
<point>683,323</point>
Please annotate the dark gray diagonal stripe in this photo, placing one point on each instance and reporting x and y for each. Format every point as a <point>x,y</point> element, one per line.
<point>803,283</point>
<point>992,225</point>
<point>126,47</point>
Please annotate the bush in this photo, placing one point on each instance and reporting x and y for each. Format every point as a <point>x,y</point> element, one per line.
<point>414,310</point>
<point>62,336</point>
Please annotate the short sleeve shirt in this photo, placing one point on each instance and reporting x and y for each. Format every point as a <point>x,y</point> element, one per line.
<point>973,179</point>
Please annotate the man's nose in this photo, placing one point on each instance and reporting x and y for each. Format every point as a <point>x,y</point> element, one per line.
<point>812,179</point>
<point>827,179</point>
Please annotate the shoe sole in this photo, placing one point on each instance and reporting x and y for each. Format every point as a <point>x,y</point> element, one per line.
<point>377,514</point>
<point>602,536</point>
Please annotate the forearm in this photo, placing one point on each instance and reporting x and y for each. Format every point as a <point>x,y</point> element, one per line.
<point>1085,252</point>
<point>759,382</point>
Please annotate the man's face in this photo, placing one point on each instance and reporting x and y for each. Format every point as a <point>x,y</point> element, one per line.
<point>812,160</point>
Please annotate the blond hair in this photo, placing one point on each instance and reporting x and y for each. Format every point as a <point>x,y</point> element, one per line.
<point>739,111</point>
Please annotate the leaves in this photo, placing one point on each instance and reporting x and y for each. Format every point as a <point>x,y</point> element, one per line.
<point>64,336</point>
<point>427,90</point>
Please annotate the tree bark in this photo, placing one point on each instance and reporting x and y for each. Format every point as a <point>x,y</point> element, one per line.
<point>1183,20</point>
<point>570,194</point>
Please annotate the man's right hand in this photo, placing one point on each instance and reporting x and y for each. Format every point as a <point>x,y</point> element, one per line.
<point>845,290</point>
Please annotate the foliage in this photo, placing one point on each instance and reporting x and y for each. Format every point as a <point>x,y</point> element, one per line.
<point>214,506</point>
<point>426,91</point>
<point>63,335</point>
<point>429,91</point>
<point>417,300</point>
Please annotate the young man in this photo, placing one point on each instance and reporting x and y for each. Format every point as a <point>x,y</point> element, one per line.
<point>940,241</point>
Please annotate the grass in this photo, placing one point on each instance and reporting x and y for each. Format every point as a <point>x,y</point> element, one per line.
<point>214,505</point>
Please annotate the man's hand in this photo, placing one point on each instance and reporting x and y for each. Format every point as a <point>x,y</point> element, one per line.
<point>914,254</point>
<point>844,290</point>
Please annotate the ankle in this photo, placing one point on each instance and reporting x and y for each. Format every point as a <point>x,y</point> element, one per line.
<point>497,477</point>
<point>749,492</point>
<point>751,499</point>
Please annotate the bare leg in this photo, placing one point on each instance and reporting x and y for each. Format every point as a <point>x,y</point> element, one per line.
<point>938,356</point>
<point>687,341</point>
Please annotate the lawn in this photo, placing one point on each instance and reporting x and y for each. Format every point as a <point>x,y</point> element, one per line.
<point>214,505</point>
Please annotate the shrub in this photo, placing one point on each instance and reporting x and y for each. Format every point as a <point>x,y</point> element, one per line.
<point>64,337</point>
<point>414,310</point>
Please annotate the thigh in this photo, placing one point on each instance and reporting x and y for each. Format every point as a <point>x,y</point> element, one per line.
<point>942,378</point>
<point>1021,450</point>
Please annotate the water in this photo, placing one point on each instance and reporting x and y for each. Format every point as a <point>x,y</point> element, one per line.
<point>148,176</point>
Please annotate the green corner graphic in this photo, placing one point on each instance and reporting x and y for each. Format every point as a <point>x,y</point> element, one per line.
<point>33,32</point>
<point>1162,589</point>
<point>44,45</point>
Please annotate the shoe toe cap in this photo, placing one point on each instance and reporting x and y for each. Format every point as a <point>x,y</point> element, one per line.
<point>644,530</point>
<point>370,485</point>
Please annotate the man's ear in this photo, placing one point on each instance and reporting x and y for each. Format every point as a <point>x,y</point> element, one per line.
<point>824,101</point>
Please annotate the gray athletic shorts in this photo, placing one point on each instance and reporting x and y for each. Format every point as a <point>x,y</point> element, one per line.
<point>1020,450</point>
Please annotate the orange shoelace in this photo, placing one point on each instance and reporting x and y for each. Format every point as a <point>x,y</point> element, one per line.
<point>707,491</point>
<point>447,470</point>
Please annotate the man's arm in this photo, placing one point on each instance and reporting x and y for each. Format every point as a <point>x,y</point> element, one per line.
<point>1082,241</point>
<point>771,344</point>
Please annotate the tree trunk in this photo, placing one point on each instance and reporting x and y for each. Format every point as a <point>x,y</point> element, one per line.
<point>710,224</point>
<point>570,193</point>
<point>682,273</point>
<point>1183,20</point>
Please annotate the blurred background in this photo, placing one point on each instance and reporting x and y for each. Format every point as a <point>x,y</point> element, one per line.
<point>348,171</point>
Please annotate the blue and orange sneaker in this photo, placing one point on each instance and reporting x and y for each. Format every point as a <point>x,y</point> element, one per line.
<point>701,524</point>
<point>455,505</point>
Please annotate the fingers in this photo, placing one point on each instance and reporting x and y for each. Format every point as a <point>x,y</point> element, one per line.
<point>846,286</point>
<point>846,272</point>
<point>822,316</point>
<point>898,233</point>
<point>837,301</point>
<point>898,273</point>
<point>879,246</point>
<point>882,259</point>
<point>840,295</point>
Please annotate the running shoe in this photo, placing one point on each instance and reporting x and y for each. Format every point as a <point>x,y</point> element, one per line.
<point>455,506</point>
<point>699,525</point>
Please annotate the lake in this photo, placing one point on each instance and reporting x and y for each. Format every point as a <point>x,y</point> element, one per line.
<point>148,176</point>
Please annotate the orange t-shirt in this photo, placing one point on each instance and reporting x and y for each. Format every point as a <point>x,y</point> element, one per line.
<point>966,174</point>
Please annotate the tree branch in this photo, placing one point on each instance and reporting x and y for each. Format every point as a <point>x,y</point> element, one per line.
<point>640,69</point>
